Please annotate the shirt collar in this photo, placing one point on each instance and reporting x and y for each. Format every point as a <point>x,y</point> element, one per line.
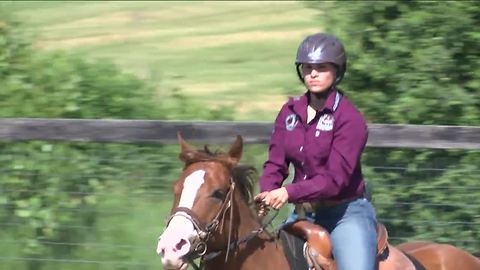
<point>331,102</point>
<point>299,104</point>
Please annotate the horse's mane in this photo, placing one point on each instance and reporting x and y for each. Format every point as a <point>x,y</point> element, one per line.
<point>243,175</point>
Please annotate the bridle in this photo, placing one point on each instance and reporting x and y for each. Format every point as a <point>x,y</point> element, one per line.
<point>204,231</point>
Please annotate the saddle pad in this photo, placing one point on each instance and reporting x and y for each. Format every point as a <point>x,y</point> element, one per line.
<point>293,248</point>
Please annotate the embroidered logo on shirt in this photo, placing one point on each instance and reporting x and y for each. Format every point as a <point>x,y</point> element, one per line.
<point>325,123</point>
<point>291,122</point>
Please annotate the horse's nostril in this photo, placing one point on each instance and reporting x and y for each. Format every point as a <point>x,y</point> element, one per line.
<point>180,244</point>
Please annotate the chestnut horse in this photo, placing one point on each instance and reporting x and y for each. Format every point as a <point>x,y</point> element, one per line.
<point>212,222</point>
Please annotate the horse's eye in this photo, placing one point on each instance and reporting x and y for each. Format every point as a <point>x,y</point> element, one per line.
<point>218,194</point>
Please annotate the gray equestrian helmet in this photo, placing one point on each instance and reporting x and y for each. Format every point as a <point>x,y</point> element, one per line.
<point>322,48</point>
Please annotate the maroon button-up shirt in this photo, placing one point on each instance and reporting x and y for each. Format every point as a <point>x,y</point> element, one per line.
<point>325,153</point>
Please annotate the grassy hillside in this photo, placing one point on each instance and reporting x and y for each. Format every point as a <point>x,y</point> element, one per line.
<point>221,53</point>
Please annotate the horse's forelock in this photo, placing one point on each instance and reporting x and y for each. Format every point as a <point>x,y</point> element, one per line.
<point>192,156</point>
<point>243,175</point>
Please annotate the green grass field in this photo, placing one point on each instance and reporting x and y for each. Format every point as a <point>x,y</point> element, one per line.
<point>221,53</point>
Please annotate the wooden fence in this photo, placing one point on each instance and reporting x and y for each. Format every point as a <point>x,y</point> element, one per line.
<point>145,186</point>
<point>218,132</point>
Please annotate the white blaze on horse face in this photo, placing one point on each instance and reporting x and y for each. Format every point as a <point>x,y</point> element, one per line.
<point>174,242</point>
<point>190,188</point>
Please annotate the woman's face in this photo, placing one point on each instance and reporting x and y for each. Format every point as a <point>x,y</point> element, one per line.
<point>319,77</point>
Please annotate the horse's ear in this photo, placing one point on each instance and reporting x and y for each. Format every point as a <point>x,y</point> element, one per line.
<point>235,153</point>
<point>183,144</point>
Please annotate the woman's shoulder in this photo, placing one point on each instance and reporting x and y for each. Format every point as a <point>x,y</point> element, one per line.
<point>348,111</point>
<point>290,102</point>
<point>287,109</point>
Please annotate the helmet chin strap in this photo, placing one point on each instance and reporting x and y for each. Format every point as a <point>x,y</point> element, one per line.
<point>299,74</point>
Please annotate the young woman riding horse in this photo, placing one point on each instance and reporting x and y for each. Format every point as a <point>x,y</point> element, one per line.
<point>323,135</point>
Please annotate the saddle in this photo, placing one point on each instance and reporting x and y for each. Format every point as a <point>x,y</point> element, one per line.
<point>318,247</point>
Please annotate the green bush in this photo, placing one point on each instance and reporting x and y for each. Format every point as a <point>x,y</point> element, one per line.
<point>416,62</point>
<point>410,62</point>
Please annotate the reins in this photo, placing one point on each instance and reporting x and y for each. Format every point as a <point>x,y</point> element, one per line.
<point>245,239</point>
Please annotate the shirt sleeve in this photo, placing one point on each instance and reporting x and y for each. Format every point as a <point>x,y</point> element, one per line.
<point>275,169</point>
<point>347,146</point>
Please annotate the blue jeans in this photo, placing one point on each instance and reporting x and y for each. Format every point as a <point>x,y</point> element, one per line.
<point>352,228</point>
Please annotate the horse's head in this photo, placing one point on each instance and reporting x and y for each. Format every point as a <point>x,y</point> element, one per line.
<point>204,194</point>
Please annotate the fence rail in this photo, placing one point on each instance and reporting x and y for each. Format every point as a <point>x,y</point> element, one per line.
<point>164,132</point>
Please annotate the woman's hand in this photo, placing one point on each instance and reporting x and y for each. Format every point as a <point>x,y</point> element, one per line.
<point>275,198</point>
<point>260,197</point>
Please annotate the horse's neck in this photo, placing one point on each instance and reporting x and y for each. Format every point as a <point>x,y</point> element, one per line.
<point>247,221</point>
<point>261,252</point>
<point>257,254</point>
